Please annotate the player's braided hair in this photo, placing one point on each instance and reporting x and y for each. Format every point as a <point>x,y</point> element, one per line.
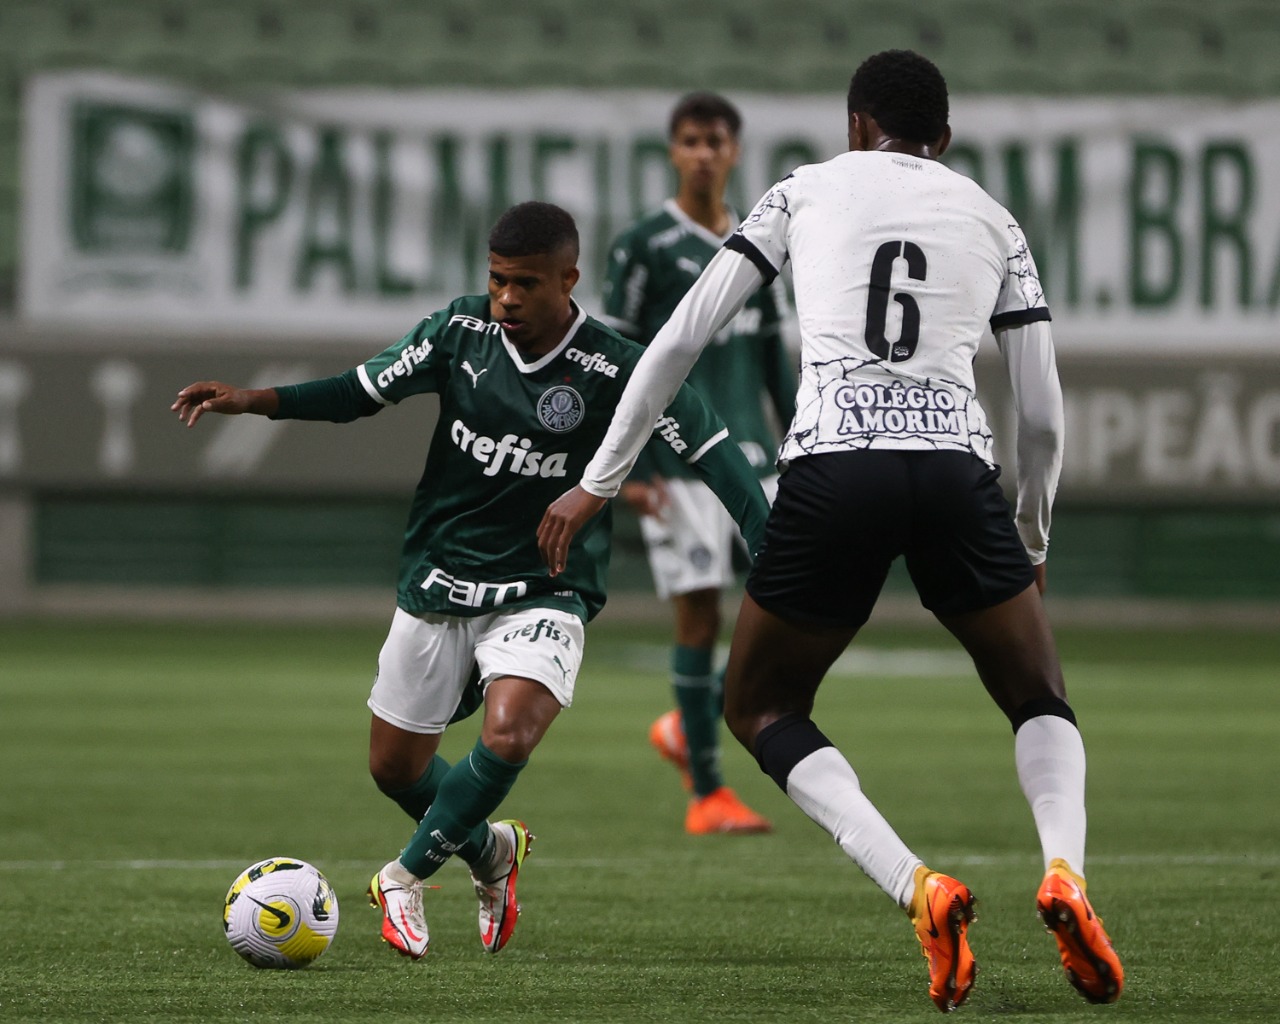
<point>703,107</point>
<point>904,92</point>
<point>533,228</point>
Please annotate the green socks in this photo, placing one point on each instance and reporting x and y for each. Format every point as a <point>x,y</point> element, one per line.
<point>698,698</point>
<point>416,799</point>
<point>457,820</point>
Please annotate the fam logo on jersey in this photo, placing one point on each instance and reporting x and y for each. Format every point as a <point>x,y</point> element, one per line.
<point>472,594</point>
<point>560,409</point>
<point>474,323</point>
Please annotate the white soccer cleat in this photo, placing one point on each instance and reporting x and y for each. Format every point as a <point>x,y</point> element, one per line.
<point>497,895</point>
<point>403,925</point>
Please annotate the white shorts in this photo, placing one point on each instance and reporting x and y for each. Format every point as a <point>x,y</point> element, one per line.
<point>427,661</point>
<point>690,544</point>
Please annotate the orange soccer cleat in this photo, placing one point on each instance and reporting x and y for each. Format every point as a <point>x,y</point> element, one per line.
<point>1091,963</point>
<point>667,737</point>
<point>942,910</point>
<point>722,812</point>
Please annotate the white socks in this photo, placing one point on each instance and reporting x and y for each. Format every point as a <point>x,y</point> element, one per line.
<point>1049,755</point>
<point>825,786</point>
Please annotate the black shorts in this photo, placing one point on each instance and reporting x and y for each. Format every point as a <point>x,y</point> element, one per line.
<point>841,518</point>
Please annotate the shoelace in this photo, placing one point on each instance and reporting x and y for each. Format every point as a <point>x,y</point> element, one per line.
<point>415,895</point>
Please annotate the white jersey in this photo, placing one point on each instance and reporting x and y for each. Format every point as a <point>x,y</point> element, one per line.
<point>900,264</point>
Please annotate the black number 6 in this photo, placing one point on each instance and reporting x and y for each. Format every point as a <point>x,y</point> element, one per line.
<point>878,301</point>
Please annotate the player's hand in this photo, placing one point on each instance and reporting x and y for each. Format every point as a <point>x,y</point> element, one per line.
<point>1042,576</point>
<point>195,400</point>
<point>562,520</point>
<point>646,498</point>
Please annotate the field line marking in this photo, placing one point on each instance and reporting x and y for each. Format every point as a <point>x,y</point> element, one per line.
<point>605,863</point>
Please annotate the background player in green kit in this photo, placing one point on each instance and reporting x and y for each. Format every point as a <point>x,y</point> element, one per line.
<point>528,385</point>
<point>688,534</point>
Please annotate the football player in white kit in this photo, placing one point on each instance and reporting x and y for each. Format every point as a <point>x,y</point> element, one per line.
<point>899,265</point>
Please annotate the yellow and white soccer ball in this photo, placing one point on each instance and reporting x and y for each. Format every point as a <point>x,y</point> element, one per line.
<point>281,913</point>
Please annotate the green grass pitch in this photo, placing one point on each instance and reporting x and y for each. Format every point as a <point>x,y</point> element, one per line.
<point>144,765</point>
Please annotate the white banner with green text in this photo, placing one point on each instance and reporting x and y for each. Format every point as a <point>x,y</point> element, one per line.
<point>349,214</point>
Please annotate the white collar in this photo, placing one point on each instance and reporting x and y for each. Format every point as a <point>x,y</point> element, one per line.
<point>542,361</point>
<point>673,208</point>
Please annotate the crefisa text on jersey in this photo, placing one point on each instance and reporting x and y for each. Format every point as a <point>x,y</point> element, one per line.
<point>541,628</point>
<point>896,409</point>
<point>410,356</point>
<point>592,361</point>
<point>493,454</point>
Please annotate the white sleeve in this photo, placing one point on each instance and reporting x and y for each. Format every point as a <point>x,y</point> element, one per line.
<point>1037,397</point>
<point>715,298</point>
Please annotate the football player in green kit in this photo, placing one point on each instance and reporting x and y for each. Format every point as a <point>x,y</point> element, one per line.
<point>527,385</point>
<point>689,536</point>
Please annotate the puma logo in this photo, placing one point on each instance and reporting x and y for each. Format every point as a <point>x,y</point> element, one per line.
<point>474,374</point>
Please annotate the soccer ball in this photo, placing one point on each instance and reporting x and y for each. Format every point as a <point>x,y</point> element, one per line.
<point>280,912</point>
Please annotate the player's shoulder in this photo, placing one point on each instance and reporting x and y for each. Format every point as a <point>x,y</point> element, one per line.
<point>596,342</point>
<point>463,319</point>
<point>597,332</point>
<point>657,230</point>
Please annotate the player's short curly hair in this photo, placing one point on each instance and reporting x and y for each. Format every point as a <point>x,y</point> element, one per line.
<point>703,107</point>
<point>533,228</point>
<point>904,92</point>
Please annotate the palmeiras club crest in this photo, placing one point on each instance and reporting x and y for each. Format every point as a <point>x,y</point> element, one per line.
<point>560,409</point>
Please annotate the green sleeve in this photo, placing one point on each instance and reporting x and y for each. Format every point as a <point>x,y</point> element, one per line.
<point>646,466</point>
<point>780,379</point>
<point>339,399</point>
<point>720,463</point>
<point>728,473</point>
<point>416,364</point>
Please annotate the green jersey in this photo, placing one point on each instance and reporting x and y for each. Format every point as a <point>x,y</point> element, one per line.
<point>651,266</point>
<point>513,435</point>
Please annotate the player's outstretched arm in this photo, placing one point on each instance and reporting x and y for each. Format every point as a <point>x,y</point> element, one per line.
<point>562,520</point>
<point>195,400</point>
<point>1037,398</point>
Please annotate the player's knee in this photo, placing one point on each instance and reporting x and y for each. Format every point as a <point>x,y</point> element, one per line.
<point>783,743</point>
<point>738,724</point>
<point>1038,707</point>
<point>744,719</point>
<point>391,774</point>
<point>511,741</point>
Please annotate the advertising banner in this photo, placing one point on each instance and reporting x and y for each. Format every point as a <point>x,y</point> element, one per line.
<point>343,214</point>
